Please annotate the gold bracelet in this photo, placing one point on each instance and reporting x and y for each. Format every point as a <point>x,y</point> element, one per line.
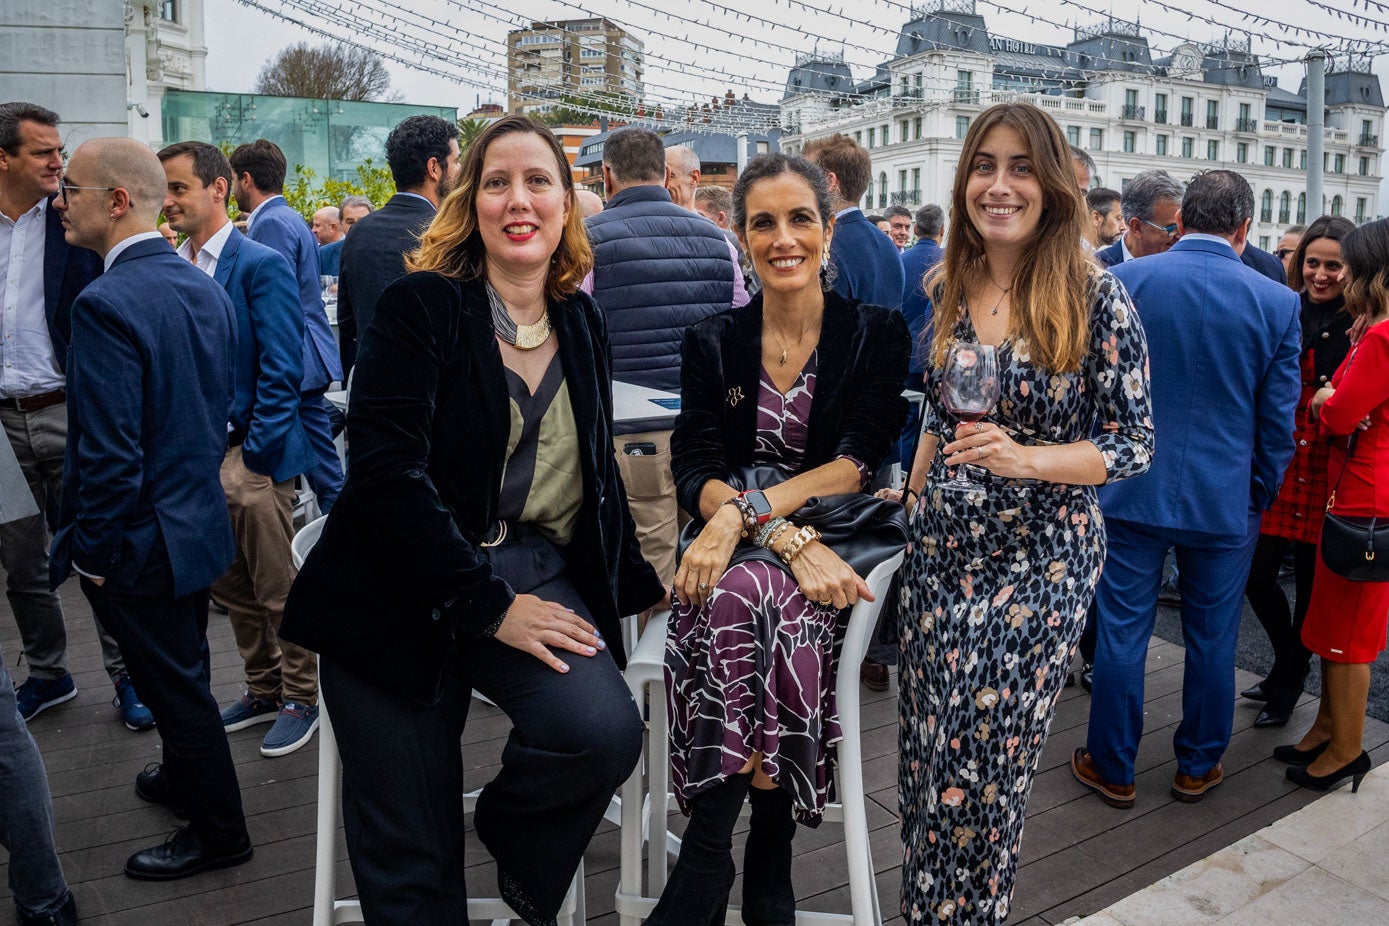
<point>798,543</point>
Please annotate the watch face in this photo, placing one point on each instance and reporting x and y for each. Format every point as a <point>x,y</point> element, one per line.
<point>760,506</point>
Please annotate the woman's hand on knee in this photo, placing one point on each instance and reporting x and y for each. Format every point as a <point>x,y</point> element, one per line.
<point>535,626</point>
<point>706,558</point>
<point>826,579</point>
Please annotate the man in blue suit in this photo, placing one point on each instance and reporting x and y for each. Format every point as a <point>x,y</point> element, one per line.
<point>1224,342</point>
<point>1149,208</point>
<point>268,447</point>
<point>144,520</point>
<point>866,263</point>
<point>258,178</point>
<point>43,275</point>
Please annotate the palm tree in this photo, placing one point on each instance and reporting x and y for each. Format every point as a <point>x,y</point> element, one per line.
<point>469,130</point>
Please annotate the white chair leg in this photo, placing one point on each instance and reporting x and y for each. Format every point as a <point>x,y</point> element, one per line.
<point>325,854</point>
<point>658,791</point>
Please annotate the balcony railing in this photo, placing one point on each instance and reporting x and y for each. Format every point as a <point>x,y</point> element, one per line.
<point>1284,216</point>
<point>1160,117</point>
<point>1212,122</point>
<point>906,198</point>
<point>1265,215</point>
<point>1133,112</point>
<point>882,200</point>
<point>1186,119</point>
<point>1246,125</point>
<point>1368,140</point>
<point>965,95</point>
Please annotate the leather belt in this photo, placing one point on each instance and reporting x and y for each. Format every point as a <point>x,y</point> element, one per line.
<point>33,403</point>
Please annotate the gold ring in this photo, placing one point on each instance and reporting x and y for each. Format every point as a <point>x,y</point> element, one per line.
<point>827,601</point>
<point>704,586</point>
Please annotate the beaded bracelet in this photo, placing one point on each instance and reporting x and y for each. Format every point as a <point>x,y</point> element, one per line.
<point>745,512</point>
<point>798,543</point>
<point>776,535</point>
<point>764,535</point>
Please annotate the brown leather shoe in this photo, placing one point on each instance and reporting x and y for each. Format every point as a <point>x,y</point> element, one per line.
<point>1083,768</point>
<point>873,676</point>
<point>1190,788</point>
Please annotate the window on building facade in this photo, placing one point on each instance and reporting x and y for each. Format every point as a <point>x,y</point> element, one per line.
<point>1360,205</point>
<point>1160,143</point>
<point>916,128</point>
<point>1188,145</point>
<point>1288,157</point>
<point>1160,107</point>
<point>1269,155</point>
<point>1302,159</point>
<point>885,136</point>
<point>1285,208</point>
<point>858,137</point>
<point>1212,114</point>
<point>1096,139</point>
<point>964,87</point>
<point>961,126</point>
<point>1130,141</point>
<point>1337,205</point>
<point>1242,153</point>
<point>1188,103</point>
<point>1364,167</point>
<point>882,190</point>
<point>868,197</point>
<point>902,181</point>
<point>1339,164</point>
<point>1302,208</point>
<point>168,11</point>
<point>1367,133</point>
<point>916,180</point>
<point>1073,134</point>
<point>1212,151</point>
<point>1263,242</point>
<point>872,135</point>
<point>1266,206</point>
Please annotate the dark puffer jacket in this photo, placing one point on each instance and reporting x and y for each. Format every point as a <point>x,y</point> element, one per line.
<point>657,270</point>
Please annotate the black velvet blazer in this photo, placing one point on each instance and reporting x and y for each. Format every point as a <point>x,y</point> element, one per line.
<point>395,583</point>
<point>857,409</point>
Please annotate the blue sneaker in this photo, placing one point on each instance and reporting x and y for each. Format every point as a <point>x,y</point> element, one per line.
<point>248,711</point>
<point>293,728</point>
<point>133,712</point>
<point>38,693</point>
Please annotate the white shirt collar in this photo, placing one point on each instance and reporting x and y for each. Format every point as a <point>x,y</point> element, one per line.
<point>1200,236</point>
<point>251,219</point>
<point>120,247</point>
<point>1124,247</point>
<point>37,211</point>
<point>211,251</point>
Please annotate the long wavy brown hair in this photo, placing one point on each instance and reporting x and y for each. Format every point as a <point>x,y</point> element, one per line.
<point>452,244</point>
<point>1366,253</point>
<point>1049,305</point>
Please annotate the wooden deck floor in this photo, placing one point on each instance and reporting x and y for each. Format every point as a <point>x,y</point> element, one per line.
<point>1078,855</point>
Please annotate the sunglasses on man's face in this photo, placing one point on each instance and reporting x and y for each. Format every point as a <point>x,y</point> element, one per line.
<point>1282,253</point>
<point>1169,230</point>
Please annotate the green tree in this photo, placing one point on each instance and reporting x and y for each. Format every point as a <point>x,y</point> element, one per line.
<point>468,132</point>
<point>306,195</point>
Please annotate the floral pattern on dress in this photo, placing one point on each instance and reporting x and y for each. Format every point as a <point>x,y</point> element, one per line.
<point>996,586</point>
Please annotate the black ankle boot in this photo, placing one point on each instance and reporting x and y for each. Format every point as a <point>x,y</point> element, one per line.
<point>768,897</point>
<point>696,893</point>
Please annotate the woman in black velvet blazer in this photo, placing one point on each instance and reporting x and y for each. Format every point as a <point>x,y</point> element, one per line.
<point>806,383</point>
<point>417,594</point>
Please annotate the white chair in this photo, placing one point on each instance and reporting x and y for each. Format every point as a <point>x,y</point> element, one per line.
<point>327,909</point>
<point>644,815</point>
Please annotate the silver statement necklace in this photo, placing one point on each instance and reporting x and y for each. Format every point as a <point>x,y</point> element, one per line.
<point>521,337</point>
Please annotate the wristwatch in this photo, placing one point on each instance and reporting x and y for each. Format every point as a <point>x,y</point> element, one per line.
<point>758,506</point>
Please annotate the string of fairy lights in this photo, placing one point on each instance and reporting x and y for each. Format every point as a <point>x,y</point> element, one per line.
<point>703,47</point>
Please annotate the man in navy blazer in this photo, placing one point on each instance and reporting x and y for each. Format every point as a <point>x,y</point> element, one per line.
<point>258,179</point>
<point>44,275</point>
<point>143,518</point>
<point>1224,342</point>
<point>267,445</point>
<point>866,263</point>
<point>1149,208</point>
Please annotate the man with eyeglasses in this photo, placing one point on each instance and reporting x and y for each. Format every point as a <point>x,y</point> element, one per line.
<point>40,277</point>
<point>1149,207</point>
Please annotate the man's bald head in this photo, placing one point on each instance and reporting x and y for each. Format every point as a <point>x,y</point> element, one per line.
<point>589,202</point>
<point>123,164</point>
<point>327,225</point>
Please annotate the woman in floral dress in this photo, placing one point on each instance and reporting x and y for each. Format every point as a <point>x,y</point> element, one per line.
<point>999,576</point>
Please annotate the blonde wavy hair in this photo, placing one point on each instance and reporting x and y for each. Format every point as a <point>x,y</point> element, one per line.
<point>1049,304</point>
<point>452,244</point>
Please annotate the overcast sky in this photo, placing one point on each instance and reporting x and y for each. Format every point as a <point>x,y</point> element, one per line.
<point>240,39</point>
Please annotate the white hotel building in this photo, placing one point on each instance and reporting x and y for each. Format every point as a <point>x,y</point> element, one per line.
<point>1200,107</point>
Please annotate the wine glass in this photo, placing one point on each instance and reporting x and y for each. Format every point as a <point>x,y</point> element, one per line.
<point>969,389</point>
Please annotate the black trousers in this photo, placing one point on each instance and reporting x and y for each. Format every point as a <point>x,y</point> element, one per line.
<point>1291,659</point>
<point>164,641</point>
<point>575,738</point>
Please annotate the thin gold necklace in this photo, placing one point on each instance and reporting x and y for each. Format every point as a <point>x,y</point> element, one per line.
<point>781,362</point>
<point>1003,294</point>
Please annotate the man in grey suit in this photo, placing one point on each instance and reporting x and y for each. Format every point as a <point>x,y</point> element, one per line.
<point>422,152</point>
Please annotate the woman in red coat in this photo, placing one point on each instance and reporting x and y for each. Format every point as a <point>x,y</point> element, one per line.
<point>1346,620</point>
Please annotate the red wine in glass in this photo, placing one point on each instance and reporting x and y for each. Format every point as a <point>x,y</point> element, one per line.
<point>969,389</point>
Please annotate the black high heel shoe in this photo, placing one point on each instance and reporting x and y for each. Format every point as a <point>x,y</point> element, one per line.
<point>1293,756</point>
<point>1355,771</point>
<point>1256,692</point>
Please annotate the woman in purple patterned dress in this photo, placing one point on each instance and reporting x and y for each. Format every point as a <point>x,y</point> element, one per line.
<point>807,382</point>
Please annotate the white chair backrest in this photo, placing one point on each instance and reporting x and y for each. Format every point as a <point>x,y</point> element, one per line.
<point>304,540</point>
<point>863,620</point>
